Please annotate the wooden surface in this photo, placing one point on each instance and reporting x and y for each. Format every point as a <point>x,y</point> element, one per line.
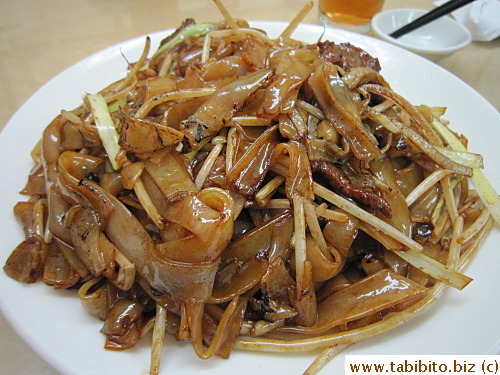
<point>40,38</point>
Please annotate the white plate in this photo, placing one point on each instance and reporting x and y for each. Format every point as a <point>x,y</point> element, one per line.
<point>67,337</point>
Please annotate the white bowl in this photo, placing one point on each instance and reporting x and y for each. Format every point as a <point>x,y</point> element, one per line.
<point>435,40</point>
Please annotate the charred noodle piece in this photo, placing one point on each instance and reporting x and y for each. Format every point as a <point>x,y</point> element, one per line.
<point>261,239</point>
<point>219,108</point>
<point>249,171</point>
<point>85,236</point>
<point>335,101</point>
<point>143,136</point>
<point>95,251</point>
<point>248,257</point>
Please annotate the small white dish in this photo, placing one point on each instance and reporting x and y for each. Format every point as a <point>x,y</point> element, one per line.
<point>437,39</point>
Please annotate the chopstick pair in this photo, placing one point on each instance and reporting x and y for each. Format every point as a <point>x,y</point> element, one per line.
<point>434,14</point>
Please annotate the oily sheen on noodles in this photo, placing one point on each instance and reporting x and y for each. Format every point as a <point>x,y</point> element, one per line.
<point>239,191</point>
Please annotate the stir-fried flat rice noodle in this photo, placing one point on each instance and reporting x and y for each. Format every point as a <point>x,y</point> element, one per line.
<point>239,191</point>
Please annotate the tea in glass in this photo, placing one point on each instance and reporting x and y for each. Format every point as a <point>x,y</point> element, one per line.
<point>351,14</point>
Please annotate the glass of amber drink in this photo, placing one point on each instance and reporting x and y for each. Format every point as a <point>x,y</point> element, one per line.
<point>351,14</point>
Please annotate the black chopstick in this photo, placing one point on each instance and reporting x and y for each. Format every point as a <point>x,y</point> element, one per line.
<point>434,14</point>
